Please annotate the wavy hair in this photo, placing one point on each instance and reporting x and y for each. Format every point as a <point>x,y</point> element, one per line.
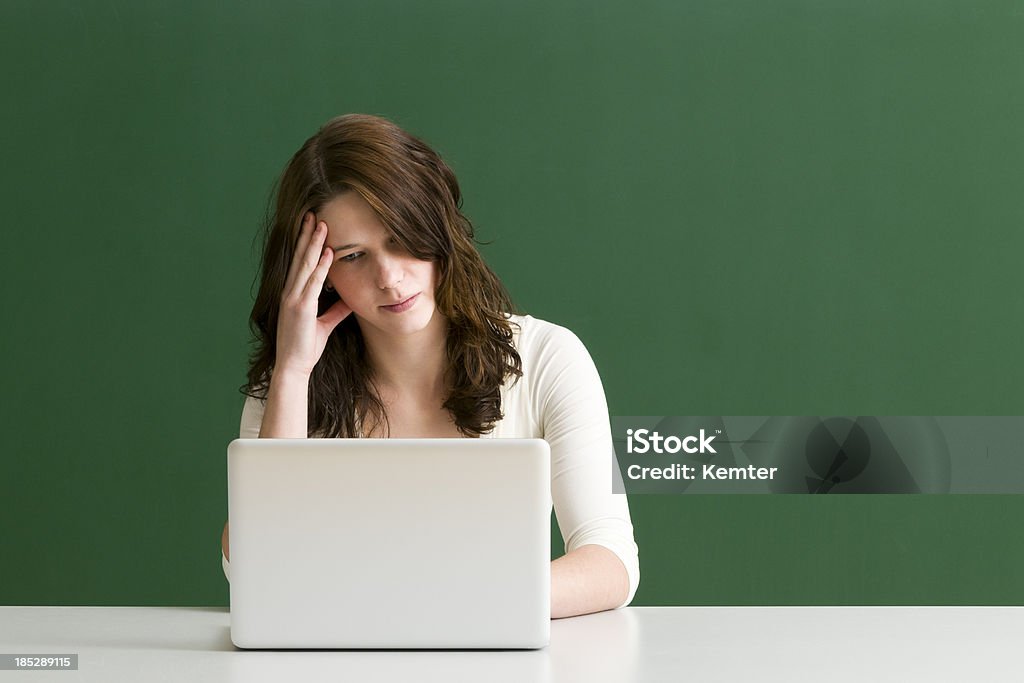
<point>417,198</point>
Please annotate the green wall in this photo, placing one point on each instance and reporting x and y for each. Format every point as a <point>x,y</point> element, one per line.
<point>743,207</point>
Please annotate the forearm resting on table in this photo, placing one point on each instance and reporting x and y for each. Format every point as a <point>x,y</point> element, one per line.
<point>591,578</point>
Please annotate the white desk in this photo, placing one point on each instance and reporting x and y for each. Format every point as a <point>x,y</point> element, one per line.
<point>634,644</point>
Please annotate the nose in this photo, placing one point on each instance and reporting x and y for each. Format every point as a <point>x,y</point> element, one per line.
<point>389,272</point>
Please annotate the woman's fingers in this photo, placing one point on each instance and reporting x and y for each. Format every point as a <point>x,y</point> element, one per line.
<point>300,333</point>
<point>315,281</point>
<point>302,246</point>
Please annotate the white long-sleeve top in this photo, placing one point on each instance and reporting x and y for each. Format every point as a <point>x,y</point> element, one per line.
<point>560,399</point>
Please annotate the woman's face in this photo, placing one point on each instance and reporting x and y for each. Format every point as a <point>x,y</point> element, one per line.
<point>385,286</point>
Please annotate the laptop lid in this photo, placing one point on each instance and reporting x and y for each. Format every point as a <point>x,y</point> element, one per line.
<point>390,543</point>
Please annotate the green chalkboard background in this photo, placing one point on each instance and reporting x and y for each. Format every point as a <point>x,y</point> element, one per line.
<point>743,207</point>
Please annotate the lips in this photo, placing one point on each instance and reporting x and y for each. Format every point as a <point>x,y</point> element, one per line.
<point>403,305</point>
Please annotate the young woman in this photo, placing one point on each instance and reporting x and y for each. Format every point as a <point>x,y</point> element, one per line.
<point>377,317</point>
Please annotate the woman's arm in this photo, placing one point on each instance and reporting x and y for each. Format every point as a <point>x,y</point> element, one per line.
<point>301,338</point>
<point>590,578</point>
<point>301,335</point>
<point>287,408</point>
<point>600,569</point>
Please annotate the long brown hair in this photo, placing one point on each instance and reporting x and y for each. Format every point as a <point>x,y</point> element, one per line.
<point>417,198</point>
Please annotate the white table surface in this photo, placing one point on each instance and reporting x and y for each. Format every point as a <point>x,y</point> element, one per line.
<point>633,644</point>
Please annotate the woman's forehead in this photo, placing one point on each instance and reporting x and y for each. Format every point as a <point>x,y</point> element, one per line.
<point>350,217</point>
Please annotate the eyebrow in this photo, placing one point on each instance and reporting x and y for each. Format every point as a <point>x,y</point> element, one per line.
<point>344,246</point>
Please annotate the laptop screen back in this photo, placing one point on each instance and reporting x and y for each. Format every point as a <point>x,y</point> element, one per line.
<point>389,543</point>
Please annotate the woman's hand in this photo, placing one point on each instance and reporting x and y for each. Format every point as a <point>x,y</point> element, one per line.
<point>301,336</point>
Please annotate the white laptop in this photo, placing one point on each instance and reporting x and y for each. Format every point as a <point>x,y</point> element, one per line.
<point>390,543</point>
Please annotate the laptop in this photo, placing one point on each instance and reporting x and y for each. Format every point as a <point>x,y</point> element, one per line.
<point>390,543</point>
